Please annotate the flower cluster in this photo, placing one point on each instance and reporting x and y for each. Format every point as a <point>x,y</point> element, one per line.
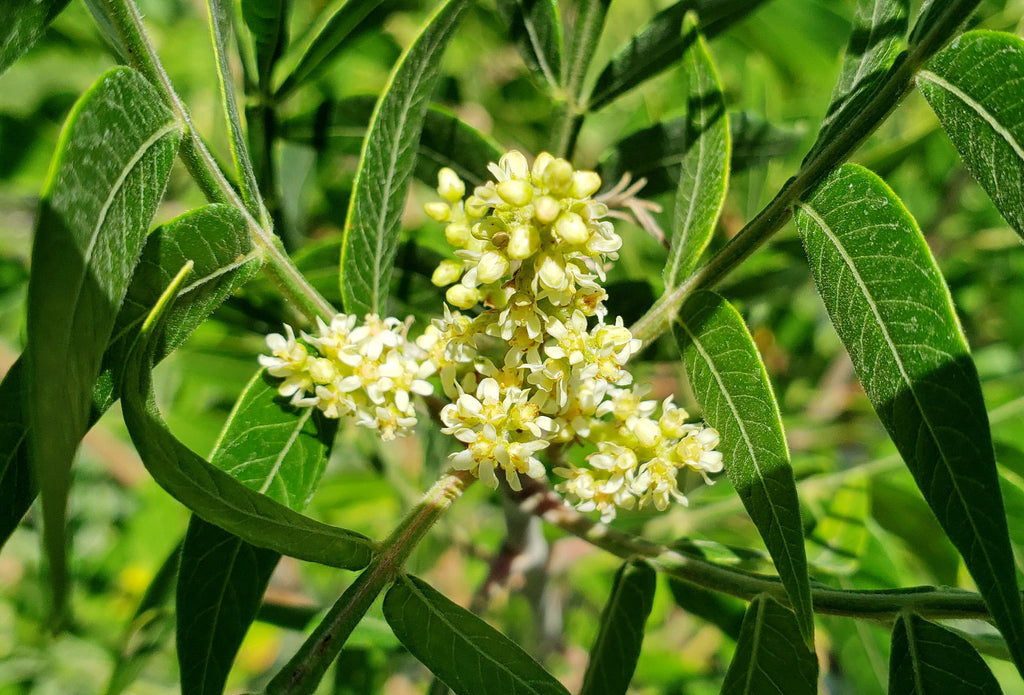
<point>532,365</point>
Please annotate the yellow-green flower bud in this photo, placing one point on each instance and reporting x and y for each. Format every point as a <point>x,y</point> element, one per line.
<point>524,241</point>
<point>539,165</point>
<point>322,370</point>
<point>491,268</point>
<point>558,176</point>
<point>441,212</point>
<point>514,163</point>
<point>585,184</point>
<point>647,432</point>
<point>446,273</point>
<point>457,234</point>
<point>476,207</point>
<point>449,185</point>
<point>461,296</point>
<point>515,192</point>
<point>546,209</point>
<point>572,229</point>
<point>551,273</point>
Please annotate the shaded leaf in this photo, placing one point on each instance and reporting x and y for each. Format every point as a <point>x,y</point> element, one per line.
<point>388,159</point>
<point>892,310</point>
<point>928,659</point>
<point>615,652</point>
<point>536,29</point>
<point>704,170</point>
<point>770,656</point>
<point>105,182</point>
<point>732,388</point>
<point>722,611</point>
<point>22,22</point>
<point>976,87</point>
<point>838,540</point>
<point>462,650</point>
<point>661,44</point>
<point>878,30</point>
<point>268,23</point>
<point>277,450</point>
<point>17,488</point>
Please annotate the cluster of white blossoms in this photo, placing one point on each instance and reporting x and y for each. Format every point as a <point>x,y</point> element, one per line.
<point>532,365</point>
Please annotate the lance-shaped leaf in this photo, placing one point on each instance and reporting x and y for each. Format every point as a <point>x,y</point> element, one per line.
<point>385,166</point>
<point>268,23</point>
<point>892,310</point>
<point>586,31</point>
<point>462,650</point>
<point>722,611</point>
<point>213,495</point>
<point>105,182</point>
<point>704,172</point>
<point>17,488</point>
<point>536,29</point>
<point>22,22</point>
<point>614,655</point>
<point>662,43</point>
<point>928,659</point>
<point>279,451</point>
<point>770,657</point>
<point>878,30</point>
<point>838,540</point>
<point>732,388</point>
<point>976,87</point>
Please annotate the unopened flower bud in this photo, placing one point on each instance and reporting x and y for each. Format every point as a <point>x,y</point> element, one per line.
<point>546,209</point>
<point>515,192</point>
<point>475,207</point>
<point>438,210</point>
<point>647,432</point>
<point>514,163</point>
<point>572,229</point>
<point>322,370</point>
<point>457,234</point>
<point>446,273</point>
<point>492,267</point>
<point>550,273</point>
<point>539,165</point>
<point>449,185</point>
<point>558,176</point>
<point>524,241</point>
<point>461,296</point>
<point>584,184</point>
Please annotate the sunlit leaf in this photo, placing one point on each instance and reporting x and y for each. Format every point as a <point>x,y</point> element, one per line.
<point>387,161</point>
<point>976,87</point>
<point>928,659</point>
<point>536,29</point>
<point>704,170</point>
<point>105,182</point>
<point>614,655</point>
<point>732,388</point>
<point>469,655</point>
<point>892,309</point>
<point>770,655</point>
<point>22,22</point>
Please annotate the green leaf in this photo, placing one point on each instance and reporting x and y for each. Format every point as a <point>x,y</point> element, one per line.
<point>732,387</point>
<point>928,659</point>
<point>704,173</point>
<point>586,31</point>
<point>839,539</point>
<point>721,610</point>
<point>279,451</point>
<point>17,488</point>
<point>469,655</point>
<point>661,44</point>
<point>268,23</point>
<point>22,22</point>
<point>975,87</point>
<point>878,30</point>
<point>216,497</point>
<point>536,29</point>
<point>388,159</point>
<point>324,47</point>
<point>220,30</point>
<point>770,656</point>
<point>615,652</point>
<point>892,310</point>
<point>105,182</point>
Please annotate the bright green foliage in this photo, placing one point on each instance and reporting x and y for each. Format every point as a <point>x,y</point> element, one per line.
<point>462,650</point>
<point>928,659</point>
<point>378,196</point>
<point>770,657</point>
<point>912,359</point>
<point>732,387</point>
<point>976,86</point>
<point>839,539</point>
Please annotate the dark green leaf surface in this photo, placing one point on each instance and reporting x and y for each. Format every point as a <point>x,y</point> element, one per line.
<point>17,489</point>
<point>22,22</point>
<point>976,87</point>
<point>469,655</point>
<point>268,23</point>
<point>387,161</point>
<point>878,30</point>
<point>661,44</point>
<point>927,659</point>
<point>274,449</point>
<point>704,171</point>
<point>215,496</point>
<point>892,309</point>
<point>586,31</point>
<point>770,657</point>
<point>722,611</point>
<point>536,29</point>
<point>614,655</point>
<point>732,388</point>
<point>105,182</point>
<point>840,537</point>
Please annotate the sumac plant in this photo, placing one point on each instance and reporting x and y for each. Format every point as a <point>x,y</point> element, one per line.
<point>485,369</point>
